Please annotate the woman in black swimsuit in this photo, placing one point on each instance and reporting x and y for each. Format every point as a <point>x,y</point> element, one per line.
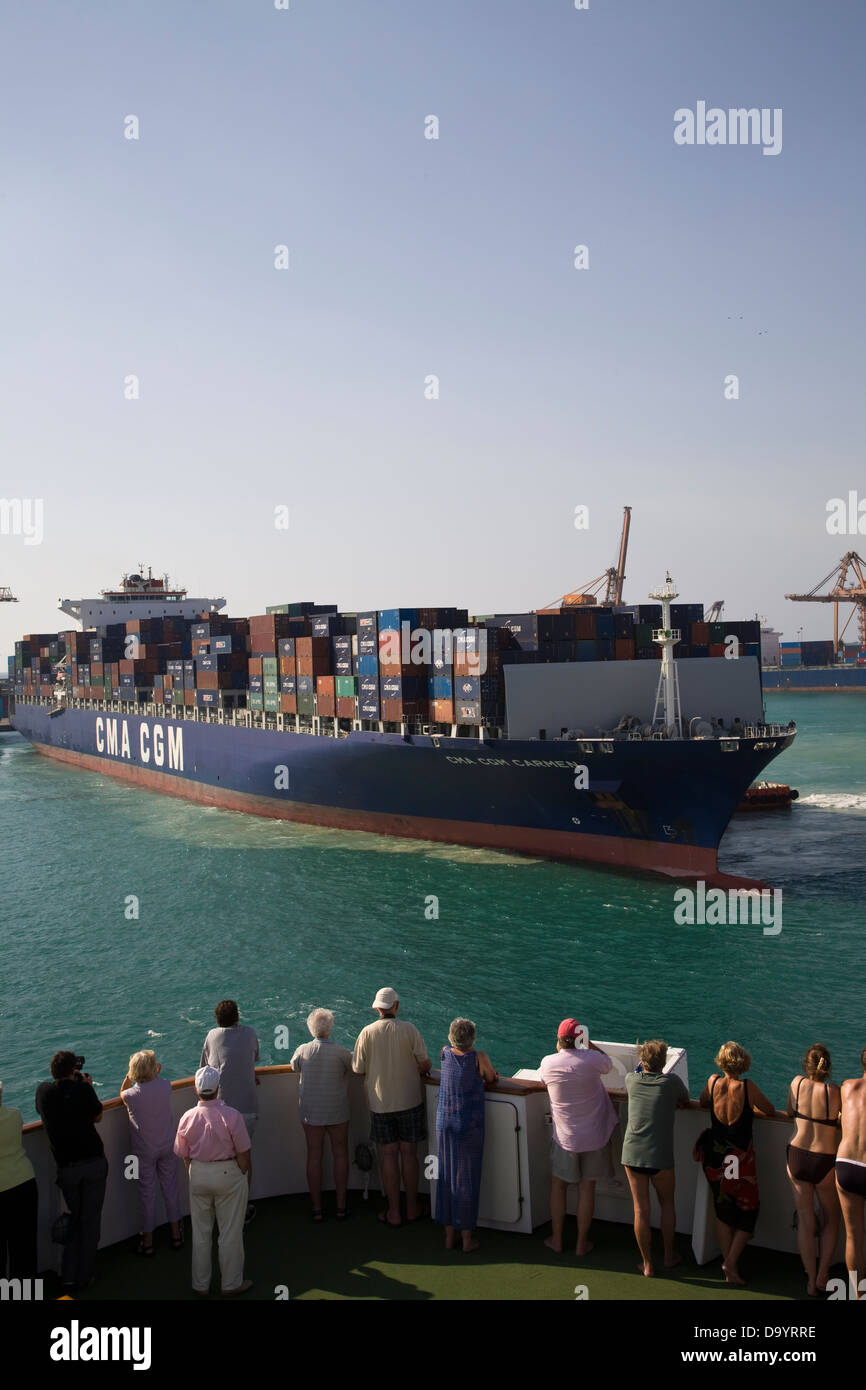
<point>728,1155</point>
<point>815,1103</point>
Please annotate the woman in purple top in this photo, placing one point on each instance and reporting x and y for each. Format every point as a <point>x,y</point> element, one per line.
<point>460,1133</point>
<point>147,1097</point>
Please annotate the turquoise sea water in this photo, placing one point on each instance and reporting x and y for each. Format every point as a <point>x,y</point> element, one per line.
<point>284,917</point>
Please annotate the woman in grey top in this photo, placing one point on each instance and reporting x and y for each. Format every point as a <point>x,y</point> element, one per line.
<point>324,1100</point>
<point>648,1148</point>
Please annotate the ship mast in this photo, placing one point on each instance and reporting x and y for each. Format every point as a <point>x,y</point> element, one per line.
<point>667,712</point>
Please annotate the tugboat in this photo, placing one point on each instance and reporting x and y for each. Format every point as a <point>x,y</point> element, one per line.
<point>768,796</point>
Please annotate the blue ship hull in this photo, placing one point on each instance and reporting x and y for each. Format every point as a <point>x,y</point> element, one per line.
<point>657,806</point>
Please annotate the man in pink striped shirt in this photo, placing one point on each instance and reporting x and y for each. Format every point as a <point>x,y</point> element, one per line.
<point>213,1142</point>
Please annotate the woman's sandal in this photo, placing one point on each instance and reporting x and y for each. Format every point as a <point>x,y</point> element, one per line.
<point>318,1216</point>
<point>342,1213</point>
<point>177,1241</point>
<point>146,1250</point>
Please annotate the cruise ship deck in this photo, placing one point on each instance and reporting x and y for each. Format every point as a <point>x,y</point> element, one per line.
<point>290,1256</point>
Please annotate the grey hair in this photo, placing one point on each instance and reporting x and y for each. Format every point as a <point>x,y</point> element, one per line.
<point>320,1022</point>
<point>462,1033</point>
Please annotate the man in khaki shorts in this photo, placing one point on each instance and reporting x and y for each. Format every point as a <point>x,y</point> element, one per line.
<point>391,1056</point>
<point>583,1121</point>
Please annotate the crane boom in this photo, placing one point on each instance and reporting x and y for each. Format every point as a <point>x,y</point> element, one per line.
<point>842,592</point>
<point>616,578</point>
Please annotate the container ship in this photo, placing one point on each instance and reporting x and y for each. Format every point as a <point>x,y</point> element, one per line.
<point>620,736</point>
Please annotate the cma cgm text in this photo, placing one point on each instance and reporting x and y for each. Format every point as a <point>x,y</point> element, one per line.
<point>157,745</point>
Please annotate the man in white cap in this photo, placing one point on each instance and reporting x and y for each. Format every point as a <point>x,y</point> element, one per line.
<point>213,1142</point>
<point>391,1055</point>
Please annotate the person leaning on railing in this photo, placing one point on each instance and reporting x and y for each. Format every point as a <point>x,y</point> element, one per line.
<point>70,1110</point>
<point>583,1120</point>
<point>323,1097</point>
<point>727,1153</point>
<point>815,1104</point>
<point>648,1147</point>
<point>19,1199</point>
<point>147,1097</point>
<point>851,1171</point>
<point>460,1133</point>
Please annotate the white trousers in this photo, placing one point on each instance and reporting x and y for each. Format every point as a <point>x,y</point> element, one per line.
<point>217,1190</point>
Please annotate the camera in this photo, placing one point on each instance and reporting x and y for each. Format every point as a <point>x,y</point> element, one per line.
<point>79,1064</point>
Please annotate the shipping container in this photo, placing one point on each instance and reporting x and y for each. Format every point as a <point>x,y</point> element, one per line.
<point>523,628</point>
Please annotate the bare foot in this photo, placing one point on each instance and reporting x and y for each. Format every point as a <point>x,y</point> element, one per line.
<point>675,1259</point>
<point>554,1245</point>
<point>646,1269</point>
<point>733,1276</point>
<point>469,1246</point>
<point>585,1248</point>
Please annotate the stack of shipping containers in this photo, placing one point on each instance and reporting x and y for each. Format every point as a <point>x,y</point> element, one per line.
<point>307,660</point>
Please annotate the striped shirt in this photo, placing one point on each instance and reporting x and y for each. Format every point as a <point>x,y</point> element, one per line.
<point>324,1068</point>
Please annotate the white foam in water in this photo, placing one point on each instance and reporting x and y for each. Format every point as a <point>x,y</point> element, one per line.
<point>835,801</point>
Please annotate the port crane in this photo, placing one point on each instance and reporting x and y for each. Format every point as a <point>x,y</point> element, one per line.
<point>7,596</point>
<point>848,581</point>
<point>714,612</point>
<point>610,583</point>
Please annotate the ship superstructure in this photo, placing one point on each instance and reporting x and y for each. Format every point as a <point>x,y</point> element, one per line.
<point>138,596</point>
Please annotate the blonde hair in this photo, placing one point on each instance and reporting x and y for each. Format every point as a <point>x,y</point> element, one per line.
<point>733,1059</point>
<point>653,1055</point>
<point>816,1063</point>
<point>143,1066</point>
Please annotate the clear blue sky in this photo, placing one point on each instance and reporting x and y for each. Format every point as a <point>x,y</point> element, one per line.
<point>409,257</point>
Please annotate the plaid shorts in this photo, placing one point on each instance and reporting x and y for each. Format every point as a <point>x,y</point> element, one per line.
<point>399,1126</point>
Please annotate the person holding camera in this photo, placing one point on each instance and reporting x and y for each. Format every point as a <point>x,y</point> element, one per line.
<point>70,1110</point>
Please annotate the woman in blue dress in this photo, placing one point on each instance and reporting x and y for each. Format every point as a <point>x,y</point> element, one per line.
<point>460,1133</point>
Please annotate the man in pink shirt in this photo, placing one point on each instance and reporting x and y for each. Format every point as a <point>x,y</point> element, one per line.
<point>213,1142</point>
<point>583,1121</point>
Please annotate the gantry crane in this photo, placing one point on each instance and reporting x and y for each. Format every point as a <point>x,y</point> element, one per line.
<point>611,581</point>
<point>714,612</point>
<point>842,592</point>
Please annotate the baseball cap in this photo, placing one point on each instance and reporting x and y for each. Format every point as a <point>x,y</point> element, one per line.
<point>385,999</point>
<point>568,1028</point>
<point>207,1079</point>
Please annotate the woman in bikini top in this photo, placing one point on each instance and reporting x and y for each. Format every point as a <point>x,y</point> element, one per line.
<point>815,1104</point>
